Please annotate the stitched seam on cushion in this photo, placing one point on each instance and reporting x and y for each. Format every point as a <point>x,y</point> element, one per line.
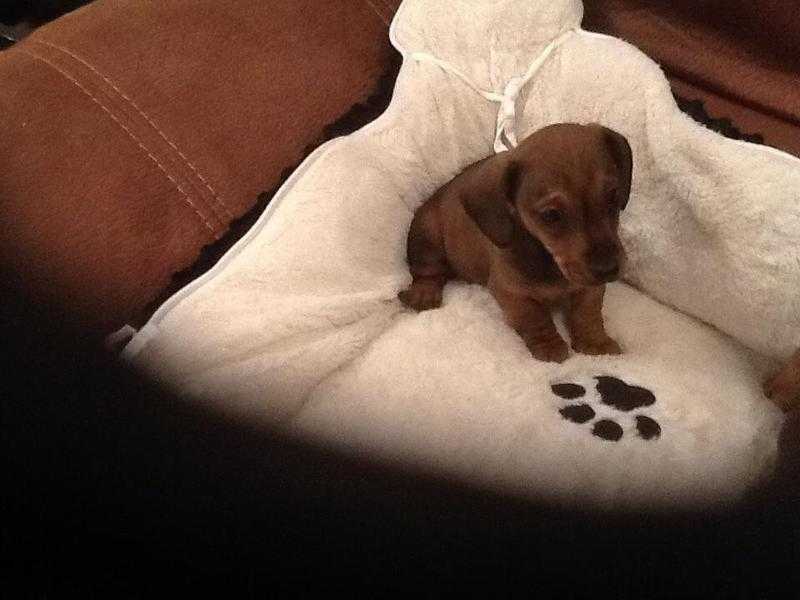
<point>128,131</point>
<point>377,12</point>
<point>220,204</point>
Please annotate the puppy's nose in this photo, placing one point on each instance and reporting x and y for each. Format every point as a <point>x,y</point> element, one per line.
<point>605,268</point>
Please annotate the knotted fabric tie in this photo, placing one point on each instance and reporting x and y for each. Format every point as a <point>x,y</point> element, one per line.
<point>505,133</point>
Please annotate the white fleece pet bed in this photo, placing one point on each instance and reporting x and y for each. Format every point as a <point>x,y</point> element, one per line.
<point>299,323</point>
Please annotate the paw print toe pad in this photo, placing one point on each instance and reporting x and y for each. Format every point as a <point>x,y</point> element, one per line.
<point>608,430</point>
<point>578,413</point>
<point>648,428</point>
<point>568,391</point>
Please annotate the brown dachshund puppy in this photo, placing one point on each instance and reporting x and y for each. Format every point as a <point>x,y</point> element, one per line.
<point>538,227</point>
<point>783,388</point>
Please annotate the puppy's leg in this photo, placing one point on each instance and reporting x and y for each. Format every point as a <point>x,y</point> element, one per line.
<point>532,321</point>
<point>427,260</point>
<point>783,388</point>
<point>585,323</point>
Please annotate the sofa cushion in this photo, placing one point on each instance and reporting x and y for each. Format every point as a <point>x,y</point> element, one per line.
<point>132,134</point>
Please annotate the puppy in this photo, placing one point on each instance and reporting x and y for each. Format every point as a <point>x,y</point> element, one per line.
<point>538,227</point>
<point>783,388</point>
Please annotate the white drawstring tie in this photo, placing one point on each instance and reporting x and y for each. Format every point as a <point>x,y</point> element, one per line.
<point>505,132</point>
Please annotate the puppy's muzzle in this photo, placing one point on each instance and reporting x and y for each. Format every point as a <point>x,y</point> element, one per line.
<point>604,265</point>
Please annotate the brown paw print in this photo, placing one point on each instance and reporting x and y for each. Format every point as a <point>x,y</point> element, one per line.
<point>617,394</point>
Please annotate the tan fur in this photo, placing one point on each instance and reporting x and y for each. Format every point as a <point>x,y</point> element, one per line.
<point>493,225</point>
<point>783,388</point>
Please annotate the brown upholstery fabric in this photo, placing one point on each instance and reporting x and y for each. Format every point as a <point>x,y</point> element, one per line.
<point>739,56</point>
<point>133,132</point>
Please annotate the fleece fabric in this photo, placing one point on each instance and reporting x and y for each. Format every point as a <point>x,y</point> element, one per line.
<point>299,324</point>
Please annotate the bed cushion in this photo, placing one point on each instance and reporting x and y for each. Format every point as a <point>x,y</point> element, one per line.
<point>299,324</point>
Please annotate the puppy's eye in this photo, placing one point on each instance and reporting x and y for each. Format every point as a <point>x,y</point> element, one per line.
<point>552,216</point>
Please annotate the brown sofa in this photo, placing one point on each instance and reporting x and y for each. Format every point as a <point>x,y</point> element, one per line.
<point>138,140</point>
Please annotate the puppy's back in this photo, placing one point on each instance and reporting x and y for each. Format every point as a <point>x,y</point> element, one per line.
<point>469,251</point>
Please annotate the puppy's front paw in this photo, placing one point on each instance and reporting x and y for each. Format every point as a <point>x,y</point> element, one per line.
<point>596,347</point>
<point>783,388</point>
<point>422,296</point>
<point>550,351</point>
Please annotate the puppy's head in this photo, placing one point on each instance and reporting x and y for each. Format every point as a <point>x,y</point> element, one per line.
<point>565,185</point>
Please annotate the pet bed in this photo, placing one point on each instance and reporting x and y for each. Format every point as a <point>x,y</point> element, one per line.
<point>299,324</point>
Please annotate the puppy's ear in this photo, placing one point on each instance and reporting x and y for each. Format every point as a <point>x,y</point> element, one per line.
<point>621,154</point>
<point>488,197</point>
